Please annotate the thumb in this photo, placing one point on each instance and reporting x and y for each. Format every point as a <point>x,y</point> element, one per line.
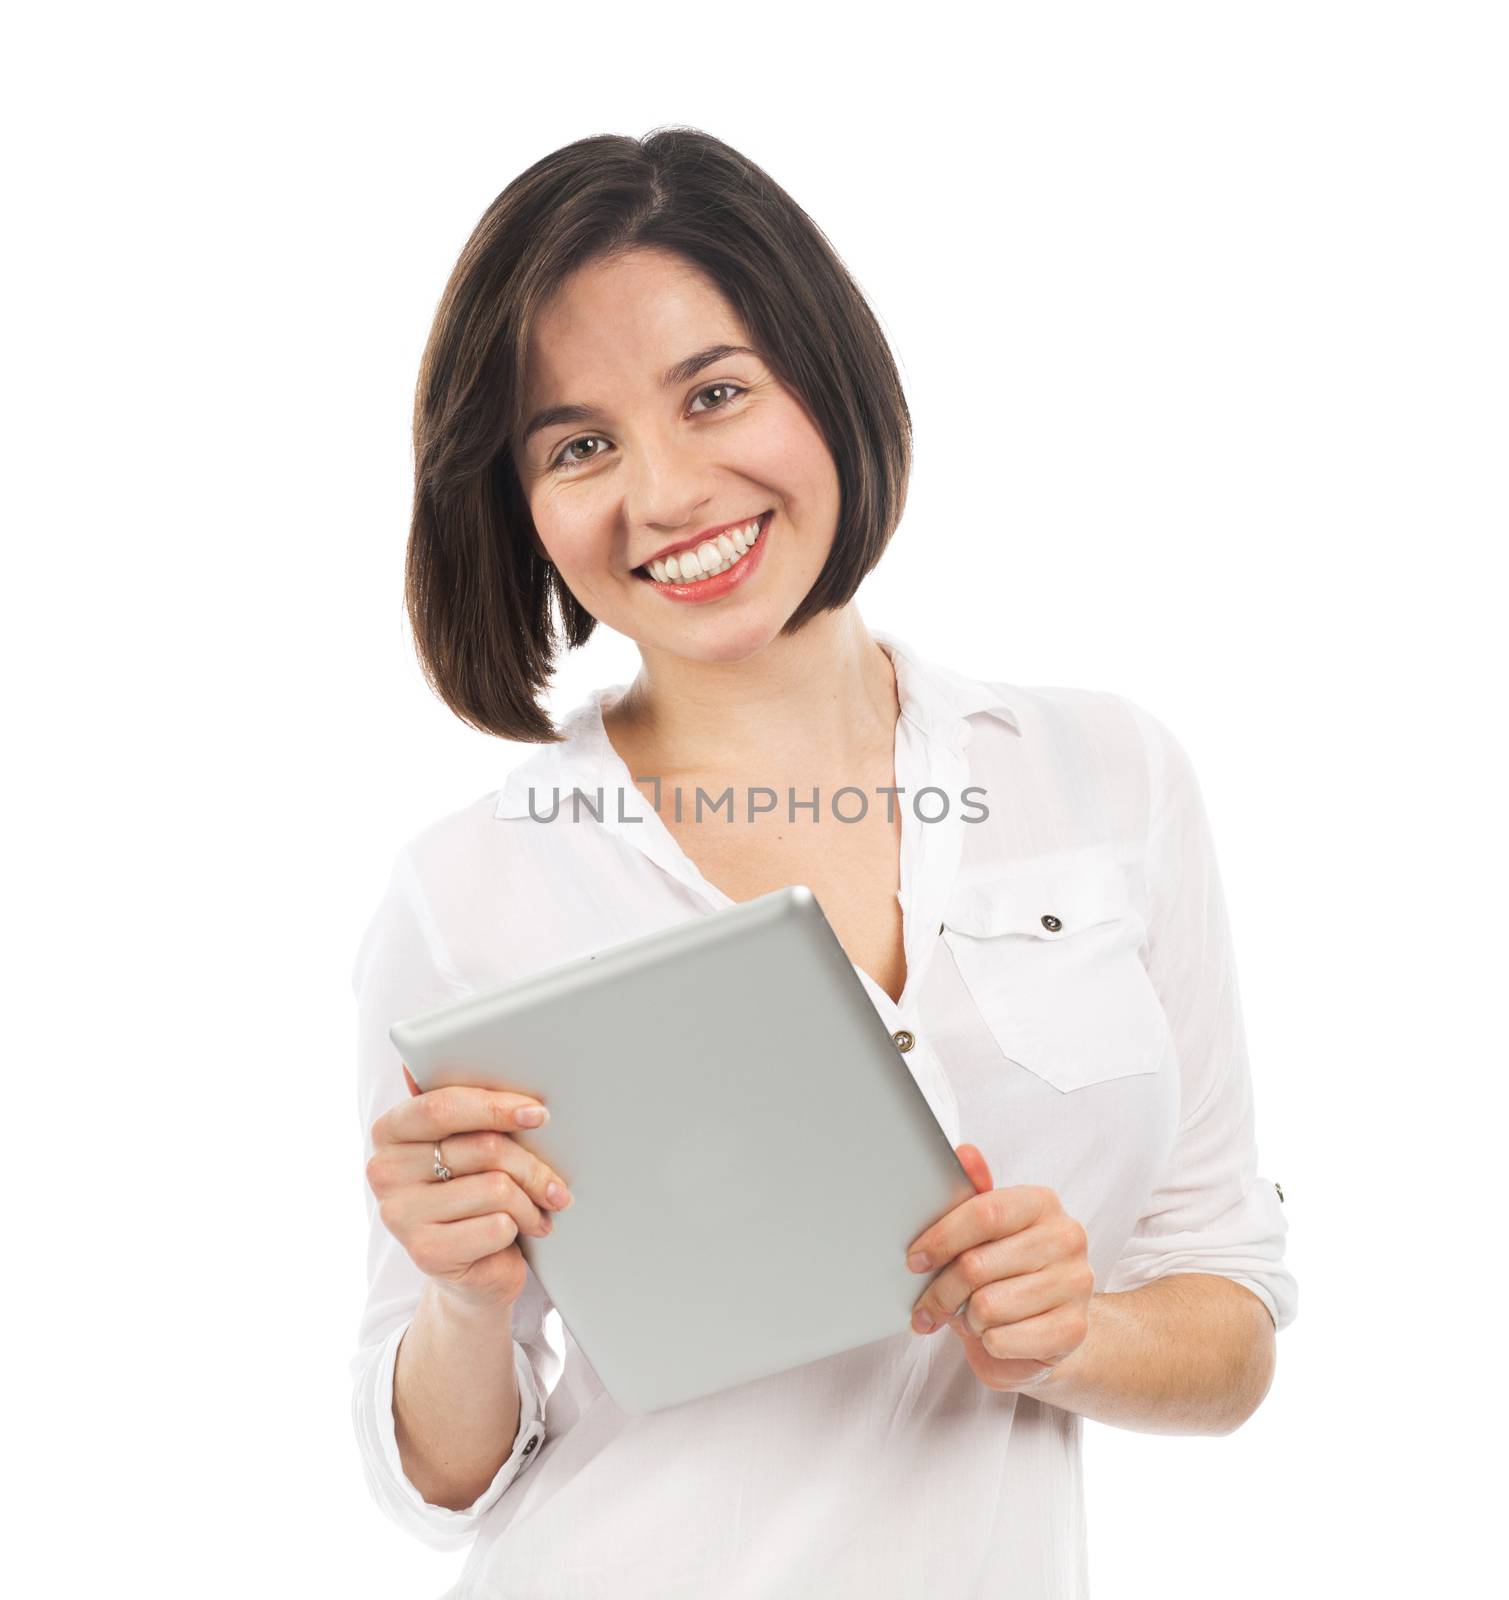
<point>975,1166</point>
<point>408,1079</point>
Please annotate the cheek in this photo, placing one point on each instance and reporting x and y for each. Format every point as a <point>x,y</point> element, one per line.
<point>568,533</point>
<point>791,455</point>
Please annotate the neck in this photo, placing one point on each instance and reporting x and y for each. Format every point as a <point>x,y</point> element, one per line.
<point>822,700</point>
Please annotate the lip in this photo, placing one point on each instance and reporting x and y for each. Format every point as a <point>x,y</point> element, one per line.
<point>701,538</point>
<point>705,589</point>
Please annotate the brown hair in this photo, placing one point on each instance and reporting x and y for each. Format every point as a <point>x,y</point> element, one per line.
<point>477,590</point>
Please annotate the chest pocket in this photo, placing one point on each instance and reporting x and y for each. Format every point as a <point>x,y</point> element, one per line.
<point>1053,962</point>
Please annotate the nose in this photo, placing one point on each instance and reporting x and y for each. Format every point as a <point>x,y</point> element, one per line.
<point>668,486</point>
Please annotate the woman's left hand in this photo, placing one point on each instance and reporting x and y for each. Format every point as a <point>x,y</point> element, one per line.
<point>1018,1282</point>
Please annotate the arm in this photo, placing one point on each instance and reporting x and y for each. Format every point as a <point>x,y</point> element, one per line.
<point>1189,1353</point>
<point>456,1403</point>
<point>1183,1338</point>
<point>421,1428</point>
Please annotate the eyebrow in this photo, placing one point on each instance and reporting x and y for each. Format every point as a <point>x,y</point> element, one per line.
<point>681,373</point>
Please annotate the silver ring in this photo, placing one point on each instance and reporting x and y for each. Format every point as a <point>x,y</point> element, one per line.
<point>442,1171</point>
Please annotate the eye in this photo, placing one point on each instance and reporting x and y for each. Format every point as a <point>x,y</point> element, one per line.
<point>566,462</point>
<point>713,388</point>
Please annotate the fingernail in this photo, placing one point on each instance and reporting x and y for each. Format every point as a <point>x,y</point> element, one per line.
<point>918,1261</point>
<point>922,1322</point>
<point>547,1222</point>
<point>531,1116</point>
<point>556,1195</point>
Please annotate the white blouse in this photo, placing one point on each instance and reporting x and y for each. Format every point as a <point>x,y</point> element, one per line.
<point>1073,1003</point>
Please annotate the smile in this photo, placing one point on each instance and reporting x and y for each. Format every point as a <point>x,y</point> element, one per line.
<point>713,567</point>
<point>710,559</point>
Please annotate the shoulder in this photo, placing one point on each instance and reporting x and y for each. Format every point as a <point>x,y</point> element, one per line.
<point>1095,758</point>
<point>448,846</point>
<point>485,879</point>
<point>463,881</point>
<point>401,935</point>
<point>1073,726</point>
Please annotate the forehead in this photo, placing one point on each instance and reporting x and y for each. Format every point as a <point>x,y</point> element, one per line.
<point>624,320</point>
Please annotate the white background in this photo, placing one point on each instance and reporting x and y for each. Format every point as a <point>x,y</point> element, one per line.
<point>1201,313</point>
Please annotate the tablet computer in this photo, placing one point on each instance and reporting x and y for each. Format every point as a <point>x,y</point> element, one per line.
<point>748,1153</point>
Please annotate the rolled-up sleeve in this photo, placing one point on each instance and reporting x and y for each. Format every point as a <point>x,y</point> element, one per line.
<point>1211,1210</point>
<point>401,969</point>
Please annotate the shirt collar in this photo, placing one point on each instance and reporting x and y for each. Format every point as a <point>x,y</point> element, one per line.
<point>940,700</point>
<point>937,701</point>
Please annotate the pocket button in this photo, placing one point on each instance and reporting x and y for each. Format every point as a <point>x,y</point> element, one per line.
<point>1051,923</point>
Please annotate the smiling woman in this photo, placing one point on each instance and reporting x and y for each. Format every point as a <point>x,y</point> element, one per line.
<point>598,337</point>
<point>654,398</point>
<point>718,428</point>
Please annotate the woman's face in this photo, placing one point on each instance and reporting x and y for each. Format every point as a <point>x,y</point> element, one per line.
<point>652,458</point>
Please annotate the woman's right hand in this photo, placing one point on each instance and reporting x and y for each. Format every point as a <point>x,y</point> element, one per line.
<point>462,1232</point>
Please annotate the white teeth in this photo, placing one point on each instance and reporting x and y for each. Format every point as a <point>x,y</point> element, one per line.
<point>709,558</point>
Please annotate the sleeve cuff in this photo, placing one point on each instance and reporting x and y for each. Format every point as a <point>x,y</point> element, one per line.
<point>1257,1287</point>
<point>454,1527</point>
<point>1246,1245</point>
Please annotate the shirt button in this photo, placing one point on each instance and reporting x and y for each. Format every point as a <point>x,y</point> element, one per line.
<point>1280,1194</point>
<point>903,1040</point>
<point>534,1439</point>
<point>1051,923</point>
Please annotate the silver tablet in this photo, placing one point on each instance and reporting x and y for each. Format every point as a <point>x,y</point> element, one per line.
<point>747,1151</point>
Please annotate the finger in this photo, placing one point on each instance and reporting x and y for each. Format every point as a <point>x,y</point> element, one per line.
<point>472,1196</point>
<point>395,1166</point>
<point>1047,1337</point>
<point>458,1108</point>
<point>972,1159</point>
<point>1030,1251</point>
<point>408,1078</point>
<point>979,1220</point>
<point>445,1248</point>
<point>1010,1300</point>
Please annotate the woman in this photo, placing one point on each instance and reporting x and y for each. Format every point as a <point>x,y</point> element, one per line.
<point>653,398</point>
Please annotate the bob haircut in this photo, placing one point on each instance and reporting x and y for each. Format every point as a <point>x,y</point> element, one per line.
<point>477,590</point>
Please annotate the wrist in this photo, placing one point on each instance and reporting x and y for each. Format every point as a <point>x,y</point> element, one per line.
<point>461,1308</point>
